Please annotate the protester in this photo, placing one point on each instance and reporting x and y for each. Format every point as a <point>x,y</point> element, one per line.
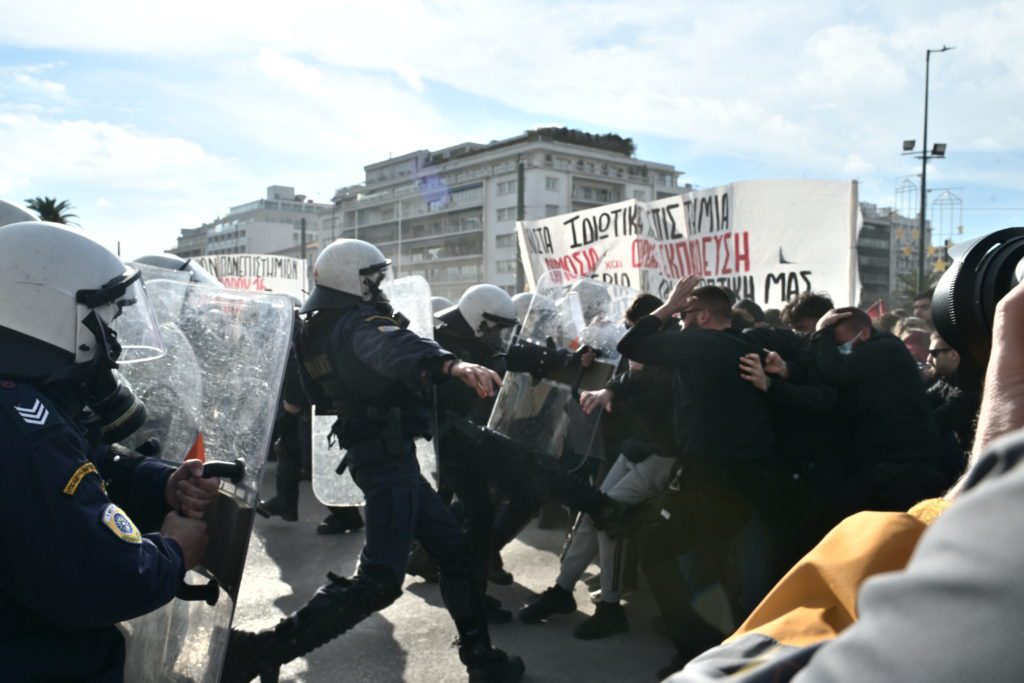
<point>894,438</point>
<point>729,465</point>
<point>803,312</point>
<point>923,307</point>
<point>954,405</point>
<point>642,470</point>
<point>950,613</point>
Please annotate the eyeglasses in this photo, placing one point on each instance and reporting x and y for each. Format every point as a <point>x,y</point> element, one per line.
<point>935,353</point>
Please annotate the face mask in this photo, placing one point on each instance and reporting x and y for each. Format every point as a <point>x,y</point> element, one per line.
<point>847,348</point>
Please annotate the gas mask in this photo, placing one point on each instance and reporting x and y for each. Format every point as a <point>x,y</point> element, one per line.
<point>114,410</point>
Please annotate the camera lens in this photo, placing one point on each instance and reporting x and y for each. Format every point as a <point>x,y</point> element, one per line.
<point>984,270</point>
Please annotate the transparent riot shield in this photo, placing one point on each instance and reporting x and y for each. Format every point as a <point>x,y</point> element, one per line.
<point>214,395</point>
<point>332,483</point>
<point>151,273</point>
<point>544,413</point>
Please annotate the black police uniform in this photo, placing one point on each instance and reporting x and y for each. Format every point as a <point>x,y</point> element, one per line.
<point>464,470</point>
<point>374,374</point>
<point>74,563</point>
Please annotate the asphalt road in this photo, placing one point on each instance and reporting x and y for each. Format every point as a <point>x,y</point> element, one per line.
<point>412,639</point>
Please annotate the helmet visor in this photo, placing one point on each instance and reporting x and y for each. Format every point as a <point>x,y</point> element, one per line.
<point>131,316</point>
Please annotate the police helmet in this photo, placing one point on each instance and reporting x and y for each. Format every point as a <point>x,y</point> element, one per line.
<point>347,268</point>
<point>68,303</point>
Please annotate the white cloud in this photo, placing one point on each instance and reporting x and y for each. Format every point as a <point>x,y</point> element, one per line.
<point>856,166</point>
<point>50,88</point>
<point>410,76</point>
<point>822,88</point>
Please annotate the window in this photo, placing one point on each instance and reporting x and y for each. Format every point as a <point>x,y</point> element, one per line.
<point>551,210</point>
<point>507,214</point>
<point>551,183</point>
<point>506,266</point>
<point>639,194</point>
<point>507,187</point>
<point>504,241</point>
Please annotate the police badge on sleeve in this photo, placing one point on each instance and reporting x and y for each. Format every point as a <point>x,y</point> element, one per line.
<point>120,524</point>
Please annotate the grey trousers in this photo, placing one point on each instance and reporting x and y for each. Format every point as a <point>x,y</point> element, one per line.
<point>629,483</point>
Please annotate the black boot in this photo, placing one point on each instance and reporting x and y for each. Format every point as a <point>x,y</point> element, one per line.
<point>341,521</point>
<point>336,607</point>
<point>486,664</point>
<point>421,564</point>
<point>279,507</point>
<point>247,658</point>
<point>608,620</point>
<point>555,600</point>
<point>493,611</point>
<point>496,572</point>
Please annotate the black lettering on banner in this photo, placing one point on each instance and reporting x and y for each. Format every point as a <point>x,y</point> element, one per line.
<point>538,240</point>
<point>616,279</point>
<point>707,214</point>
<point>786,284</point>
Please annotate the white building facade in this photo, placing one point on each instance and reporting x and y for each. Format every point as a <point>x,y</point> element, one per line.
<point>450,215</point>
<point>264,226</point>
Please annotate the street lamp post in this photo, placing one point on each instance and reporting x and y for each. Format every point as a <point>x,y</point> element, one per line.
<point>939,152</point>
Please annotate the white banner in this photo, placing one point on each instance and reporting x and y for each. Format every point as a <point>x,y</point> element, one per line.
<point>258,273</point>
<point>766,240</point>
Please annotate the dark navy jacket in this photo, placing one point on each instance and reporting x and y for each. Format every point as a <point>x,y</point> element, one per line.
<point>73,562</point>
<point>361,357</point>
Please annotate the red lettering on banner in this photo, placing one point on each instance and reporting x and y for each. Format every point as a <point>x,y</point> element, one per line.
<point>722,245</point>
<point>742,252</point>
<point>577,264</point>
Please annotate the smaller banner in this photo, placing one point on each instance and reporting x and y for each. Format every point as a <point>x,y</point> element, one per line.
<point>259,273</point>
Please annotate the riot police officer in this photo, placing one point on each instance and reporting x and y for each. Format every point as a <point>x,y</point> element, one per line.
<point>375,374</point>
<point>75,561</point>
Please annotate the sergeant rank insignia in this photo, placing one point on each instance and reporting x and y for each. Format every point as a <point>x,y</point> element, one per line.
<point>115,519</point>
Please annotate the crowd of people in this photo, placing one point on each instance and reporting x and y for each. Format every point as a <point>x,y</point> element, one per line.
<point>769,428</point>
<point>725,445</point>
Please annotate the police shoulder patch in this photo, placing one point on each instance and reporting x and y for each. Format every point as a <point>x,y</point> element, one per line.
<point>120,524</point>
<point>76,478</point>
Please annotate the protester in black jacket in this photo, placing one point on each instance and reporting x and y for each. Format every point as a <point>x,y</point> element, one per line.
<point>954,405</point>
<point>893,435</point>
<point>725,438</point>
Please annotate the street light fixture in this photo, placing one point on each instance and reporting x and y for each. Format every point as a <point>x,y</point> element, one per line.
<point>937,152</point>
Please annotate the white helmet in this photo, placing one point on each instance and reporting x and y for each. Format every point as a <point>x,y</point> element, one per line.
<point>346,267</point>
<point>196,272</point>
<point>487,308</point>
<point>440,303</point>
<point>62,292</point>
<point>522,302</point>
<point>12,213</point>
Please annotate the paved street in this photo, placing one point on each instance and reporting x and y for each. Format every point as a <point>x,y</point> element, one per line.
<point>411,640</point>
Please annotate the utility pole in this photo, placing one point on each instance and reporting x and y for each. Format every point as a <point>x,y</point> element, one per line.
<point>398,267</point>
<point>520,217</point>
<point>925,156</point>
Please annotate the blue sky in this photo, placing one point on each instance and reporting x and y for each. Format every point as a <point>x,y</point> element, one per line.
<point>155,118</point>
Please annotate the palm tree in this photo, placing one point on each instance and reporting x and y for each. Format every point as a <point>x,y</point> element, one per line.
<point>907,285</point>
<point>49,209</point>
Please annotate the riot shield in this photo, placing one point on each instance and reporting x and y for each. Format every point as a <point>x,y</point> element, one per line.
<point>332,483</point>
<point>214,394</point>
<point>544,414</point>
